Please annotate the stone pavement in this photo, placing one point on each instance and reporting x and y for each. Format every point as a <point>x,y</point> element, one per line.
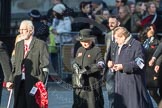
<point>60,96</point>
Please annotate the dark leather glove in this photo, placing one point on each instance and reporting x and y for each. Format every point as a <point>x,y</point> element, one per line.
<point>83,71</point>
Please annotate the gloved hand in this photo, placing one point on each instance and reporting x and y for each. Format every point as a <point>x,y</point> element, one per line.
<point>83,71</point>
<point>76,68</point>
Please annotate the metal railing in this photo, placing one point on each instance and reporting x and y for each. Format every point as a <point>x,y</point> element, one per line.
<point>65,52</point>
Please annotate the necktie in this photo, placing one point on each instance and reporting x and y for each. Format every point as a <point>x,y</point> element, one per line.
<point>26,49</point>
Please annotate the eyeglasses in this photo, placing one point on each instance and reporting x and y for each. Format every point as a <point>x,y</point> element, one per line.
<point>19,30</point>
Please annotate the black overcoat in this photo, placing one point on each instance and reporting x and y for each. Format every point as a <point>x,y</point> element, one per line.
<point>90,96</point>
<point>130,90</point>
<point>149,70</point>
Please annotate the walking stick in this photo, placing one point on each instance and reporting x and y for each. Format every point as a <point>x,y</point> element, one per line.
<point>9,99</point>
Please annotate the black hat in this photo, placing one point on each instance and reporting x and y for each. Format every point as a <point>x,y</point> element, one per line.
<point>85,34</point>
<point>34,14</point>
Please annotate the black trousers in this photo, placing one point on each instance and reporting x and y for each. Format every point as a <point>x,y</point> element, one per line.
<point>24,99</point>
<point>21,100</point>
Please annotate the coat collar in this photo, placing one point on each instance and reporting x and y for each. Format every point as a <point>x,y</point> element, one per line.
<point>126,42</point>
<point>32,43</point>
<point>30,47</point>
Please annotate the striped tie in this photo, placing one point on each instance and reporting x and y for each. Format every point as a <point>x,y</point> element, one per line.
<point>26,49</point>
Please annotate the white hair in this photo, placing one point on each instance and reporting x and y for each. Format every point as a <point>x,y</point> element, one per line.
<point>29,25</point>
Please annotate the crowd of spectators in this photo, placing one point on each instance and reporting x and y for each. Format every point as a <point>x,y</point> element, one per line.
<point>135,15</point>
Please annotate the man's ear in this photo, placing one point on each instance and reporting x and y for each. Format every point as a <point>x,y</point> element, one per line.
<point>30,31</point>
<point>118,23</point>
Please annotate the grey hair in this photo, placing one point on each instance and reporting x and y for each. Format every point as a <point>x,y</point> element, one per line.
<point>123,30</point>
<point>125,9</point>
<point>149,4</point>
<point>29,25</point>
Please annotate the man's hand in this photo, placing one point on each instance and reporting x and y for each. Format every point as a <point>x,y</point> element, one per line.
<point>9,86</point>
<point>118,67</point>
<point>110,64</point>
<point>156,69</point>
<point>152,61</point>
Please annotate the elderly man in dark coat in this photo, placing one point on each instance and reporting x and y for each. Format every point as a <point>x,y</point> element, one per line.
<point>130,90</point>
<point>30,66</point>
<point>87,66</point>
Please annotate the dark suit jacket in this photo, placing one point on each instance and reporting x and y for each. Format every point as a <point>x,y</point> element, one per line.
<point>110,49</point>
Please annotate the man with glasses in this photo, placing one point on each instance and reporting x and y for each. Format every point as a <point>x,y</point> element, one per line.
<point>29,67</point>
<point>117,5</point>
